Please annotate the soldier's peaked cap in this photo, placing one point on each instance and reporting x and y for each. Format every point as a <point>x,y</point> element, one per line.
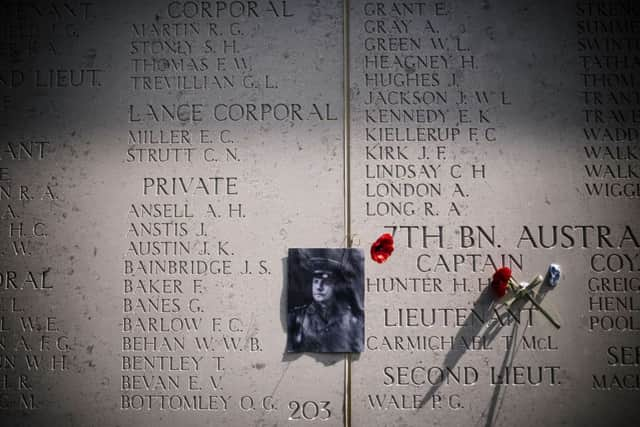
<point>325,267</point>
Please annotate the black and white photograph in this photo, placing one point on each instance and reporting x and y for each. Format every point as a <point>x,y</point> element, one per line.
<point>325,300</point>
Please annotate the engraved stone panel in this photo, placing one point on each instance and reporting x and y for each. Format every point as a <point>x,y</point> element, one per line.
<point>158,159</point>
<point>489,134</point>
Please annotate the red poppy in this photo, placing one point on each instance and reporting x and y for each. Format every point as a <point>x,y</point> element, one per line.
<point>500,281</point>
<point>382,248</point>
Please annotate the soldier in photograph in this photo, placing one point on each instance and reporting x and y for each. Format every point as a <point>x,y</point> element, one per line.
<point>333,321</point>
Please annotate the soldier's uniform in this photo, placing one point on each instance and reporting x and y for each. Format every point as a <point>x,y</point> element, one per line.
<point>325,329</point>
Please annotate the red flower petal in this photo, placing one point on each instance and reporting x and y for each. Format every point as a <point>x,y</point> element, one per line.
<point>382,248</point>
<point>499,290</point>
<point>503,274</point>
<point>500,281</point>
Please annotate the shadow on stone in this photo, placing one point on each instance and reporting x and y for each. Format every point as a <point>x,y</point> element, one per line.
<point>500,316</point>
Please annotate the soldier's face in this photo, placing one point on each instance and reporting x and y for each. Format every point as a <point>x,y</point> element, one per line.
<point>322,288</point>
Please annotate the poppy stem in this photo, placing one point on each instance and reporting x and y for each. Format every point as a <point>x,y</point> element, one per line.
<point>521,291</point>
<point>543,311</point>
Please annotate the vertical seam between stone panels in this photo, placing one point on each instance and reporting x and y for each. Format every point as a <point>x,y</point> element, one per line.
<point>347,180</point>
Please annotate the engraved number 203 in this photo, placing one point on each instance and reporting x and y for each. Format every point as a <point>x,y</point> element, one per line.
<point>309,410</point>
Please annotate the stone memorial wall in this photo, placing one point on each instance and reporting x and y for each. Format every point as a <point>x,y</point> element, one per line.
<point>159,159</point>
